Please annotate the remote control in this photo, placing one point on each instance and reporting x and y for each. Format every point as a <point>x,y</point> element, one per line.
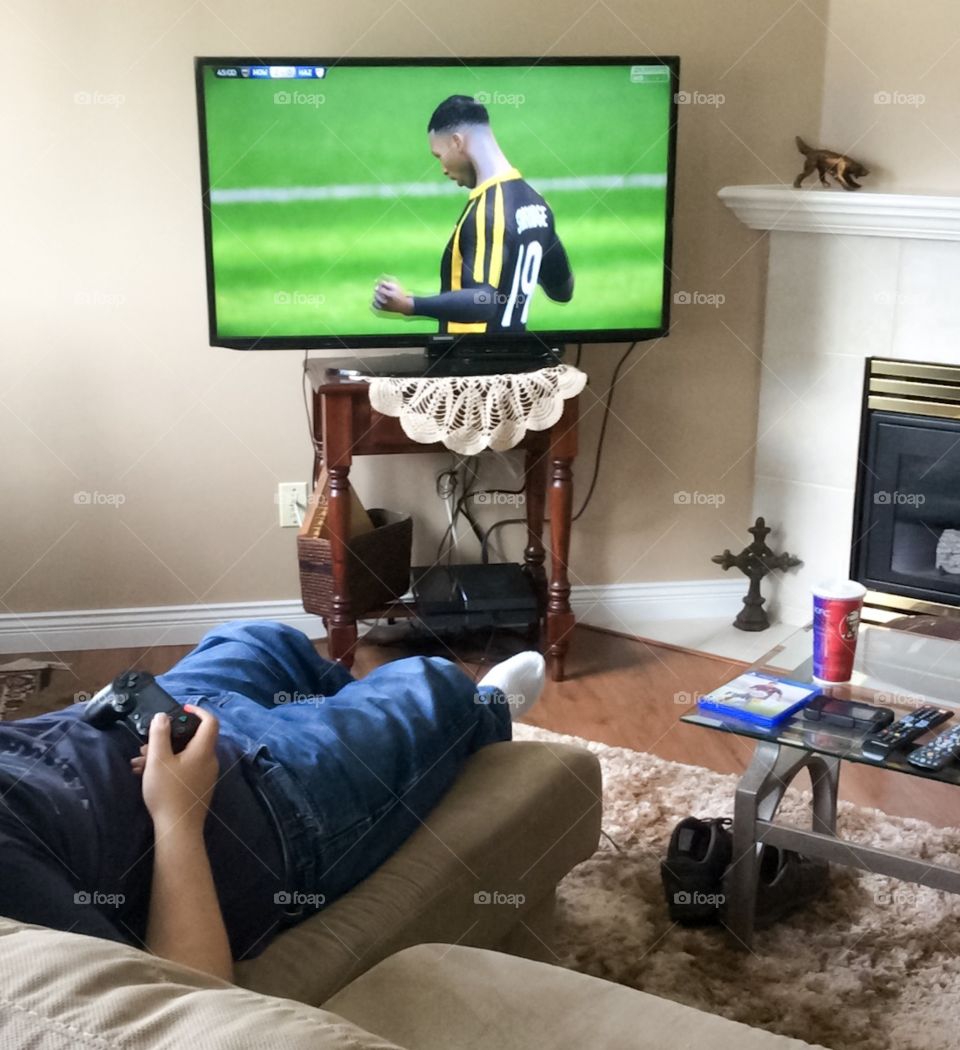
<point>904,731</point>
<point>940,752</point>
<point>134,698</point>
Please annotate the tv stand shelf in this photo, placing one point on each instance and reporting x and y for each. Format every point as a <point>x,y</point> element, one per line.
<point>346,425</point>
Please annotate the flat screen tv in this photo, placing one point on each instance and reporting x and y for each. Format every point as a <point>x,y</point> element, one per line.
<point>435,202</point>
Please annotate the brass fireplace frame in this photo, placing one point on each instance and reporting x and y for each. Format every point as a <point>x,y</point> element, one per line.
<point>918,389</point>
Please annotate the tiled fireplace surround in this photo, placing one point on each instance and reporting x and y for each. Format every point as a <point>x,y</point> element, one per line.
<point>850,276</point>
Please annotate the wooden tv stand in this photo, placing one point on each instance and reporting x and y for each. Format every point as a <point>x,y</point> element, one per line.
<point>345,425</point>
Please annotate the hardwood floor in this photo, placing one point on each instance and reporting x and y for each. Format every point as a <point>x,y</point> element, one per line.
<point>622,691</point>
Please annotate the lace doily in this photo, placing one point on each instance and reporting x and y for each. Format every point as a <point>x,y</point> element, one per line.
<point>471,413</point>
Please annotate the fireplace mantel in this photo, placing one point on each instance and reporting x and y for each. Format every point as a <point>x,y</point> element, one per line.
<point>884,286</point>
<point>867,213</point>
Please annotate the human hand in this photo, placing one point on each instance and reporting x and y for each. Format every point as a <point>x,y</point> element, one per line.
<point>388,295</point>
<point>178,787</point>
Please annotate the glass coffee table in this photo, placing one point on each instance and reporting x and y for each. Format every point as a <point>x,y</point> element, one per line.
<point>893,668</point>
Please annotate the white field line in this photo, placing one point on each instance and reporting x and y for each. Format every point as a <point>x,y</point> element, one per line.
<point>288,194</point>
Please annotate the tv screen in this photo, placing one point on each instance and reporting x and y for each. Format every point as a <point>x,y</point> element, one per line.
<point>389,202</point>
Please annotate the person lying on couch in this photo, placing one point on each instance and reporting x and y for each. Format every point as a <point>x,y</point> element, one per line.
<point>299,782</point>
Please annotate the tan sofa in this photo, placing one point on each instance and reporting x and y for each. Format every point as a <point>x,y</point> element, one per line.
<point>520,815</point>
<point>61,991</point>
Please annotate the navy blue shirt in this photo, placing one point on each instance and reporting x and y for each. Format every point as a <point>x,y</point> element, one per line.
<point>76,840</point>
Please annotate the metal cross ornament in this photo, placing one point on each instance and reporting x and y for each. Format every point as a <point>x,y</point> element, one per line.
<point>755,562</point>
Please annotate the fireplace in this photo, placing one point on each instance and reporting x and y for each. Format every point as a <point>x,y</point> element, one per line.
<point>825,315</point>
<point>906,528</point>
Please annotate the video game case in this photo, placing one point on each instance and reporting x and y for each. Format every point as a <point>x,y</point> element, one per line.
<point>760,698</point>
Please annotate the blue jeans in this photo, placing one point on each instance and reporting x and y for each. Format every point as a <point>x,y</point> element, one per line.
<point>349,768</point>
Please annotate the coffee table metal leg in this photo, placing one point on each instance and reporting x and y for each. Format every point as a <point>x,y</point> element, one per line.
<point>741,879</point>
<point>759,793</point>
<point>825,777</point>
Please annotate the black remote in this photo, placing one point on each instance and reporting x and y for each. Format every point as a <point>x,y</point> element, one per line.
<point>134,698</point>
<point>940,752</point>
<point>904,731</point>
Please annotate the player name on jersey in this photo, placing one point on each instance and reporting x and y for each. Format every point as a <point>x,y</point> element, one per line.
<point>531,216</point>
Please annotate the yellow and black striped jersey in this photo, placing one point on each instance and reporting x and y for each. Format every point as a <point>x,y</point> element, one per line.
<point>504,240</point>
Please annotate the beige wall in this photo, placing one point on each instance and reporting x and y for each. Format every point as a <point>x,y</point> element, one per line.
<point>108,384</point>
<point>891,91</point>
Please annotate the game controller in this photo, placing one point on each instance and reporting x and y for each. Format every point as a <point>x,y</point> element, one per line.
<point>134,698</point>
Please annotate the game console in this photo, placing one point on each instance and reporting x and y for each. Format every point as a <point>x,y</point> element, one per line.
<point>471,596</point>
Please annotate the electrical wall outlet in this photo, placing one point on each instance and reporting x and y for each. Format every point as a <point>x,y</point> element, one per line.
<point>292,501</point>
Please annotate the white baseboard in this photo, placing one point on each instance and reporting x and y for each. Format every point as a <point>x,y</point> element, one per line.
<point>629,607</point>
<point>131,628</point>
<point>620,607</point>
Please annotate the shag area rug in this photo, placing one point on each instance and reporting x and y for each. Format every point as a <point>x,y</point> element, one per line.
<point>873,965</point>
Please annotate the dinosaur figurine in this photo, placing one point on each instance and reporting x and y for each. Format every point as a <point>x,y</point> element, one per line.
<point>829,162</point>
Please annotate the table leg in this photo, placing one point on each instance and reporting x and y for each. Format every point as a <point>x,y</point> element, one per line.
<point>342,626</point>
<point>560,620</point>
<point>758,795</point>
<point>534,555</point>
<point>342,629</point>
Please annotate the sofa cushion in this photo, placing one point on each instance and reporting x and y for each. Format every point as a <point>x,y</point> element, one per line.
<point>438,996</point>
<point>64,991</point>
<point>520,815</point>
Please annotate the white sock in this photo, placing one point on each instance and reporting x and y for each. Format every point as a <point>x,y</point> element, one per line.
<point>520,679</point>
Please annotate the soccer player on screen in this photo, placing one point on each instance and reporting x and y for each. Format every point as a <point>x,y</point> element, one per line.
<point>503,245</point>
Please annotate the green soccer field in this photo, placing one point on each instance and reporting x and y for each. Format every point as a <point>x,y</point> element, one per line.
<point>338,187</point>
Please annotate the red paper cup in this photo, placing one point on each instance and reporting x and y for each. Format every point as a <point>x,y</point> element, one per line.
<point>836,620</point>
